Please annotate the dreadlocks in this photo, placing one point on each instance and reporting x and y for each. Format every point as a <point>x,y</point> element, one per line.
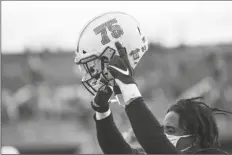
<point>197,119</point>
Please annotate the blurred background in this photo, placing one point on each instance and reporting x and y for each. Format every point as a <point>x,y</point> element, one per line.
<point>44,107</point>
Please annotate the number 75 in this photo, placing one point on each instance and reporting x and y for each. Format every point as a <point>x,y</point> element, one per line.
<point>116,30</point>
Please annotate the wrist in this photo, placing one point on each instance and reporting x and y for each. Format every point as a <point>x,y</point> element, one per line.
<point>102,115</point>
<point>129,92</point>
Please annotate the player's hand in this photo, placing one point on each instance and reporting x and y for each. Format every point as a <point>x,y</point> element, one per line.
<point>100,102</point>
<point>119,67</point>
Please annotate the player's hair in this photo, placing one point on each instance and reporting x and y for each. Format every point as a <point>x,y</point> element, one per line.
<point>197,118</point>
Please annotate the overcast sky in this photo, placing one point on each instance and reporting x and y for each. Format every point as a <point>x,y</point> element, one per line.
<point>57,24</point>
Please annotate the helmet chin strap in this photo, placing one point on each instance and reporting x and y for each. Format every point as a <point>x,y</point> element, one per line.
<point>118,99</point>
<point>118,96</point>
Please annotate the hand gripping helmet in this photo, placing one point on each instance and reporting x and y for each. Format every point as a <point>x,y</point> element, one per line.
<point>96,47</point>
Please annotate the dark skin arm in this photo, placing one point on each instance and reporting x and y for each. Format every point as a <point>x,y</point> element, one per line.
<point>147,129</point>
<point>110,139</point>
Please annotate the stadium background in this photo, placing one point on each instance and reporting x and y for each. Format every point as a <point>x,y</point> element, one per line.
<point>45,109</point>
<point>43,103</point>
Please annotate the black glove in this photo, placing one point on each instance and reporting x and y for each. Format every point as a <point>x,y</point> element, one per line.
<point>123,55</point>
<point>122,63</point>
<point>101,100</point>
<point>119,67</point>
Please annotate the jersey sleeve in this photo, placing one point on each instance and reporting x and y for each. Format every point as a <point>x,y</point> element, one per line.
<point>110,139</point>
<point>148,130</point>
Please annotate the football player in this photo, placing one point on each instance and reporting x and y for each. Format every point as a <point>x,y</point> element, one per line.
<point>109,48</point>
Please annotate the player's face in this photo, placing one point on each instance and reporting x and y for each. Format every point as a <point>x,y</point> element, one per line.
<point>171,124</point>
<point>172,127</point>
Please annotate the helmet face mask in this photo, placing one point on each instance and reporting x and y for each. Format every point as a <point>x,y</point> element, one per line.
<point>95,74</point>
<point>96,47</point>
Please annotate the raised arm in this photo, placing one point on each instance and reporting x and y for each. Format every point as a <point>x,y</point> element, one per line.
<point>109,137</point>
<point>146,127</point>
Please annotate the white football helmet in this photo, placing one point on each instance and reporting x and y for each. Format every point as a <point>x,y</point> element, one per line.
<point>96,47</point>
